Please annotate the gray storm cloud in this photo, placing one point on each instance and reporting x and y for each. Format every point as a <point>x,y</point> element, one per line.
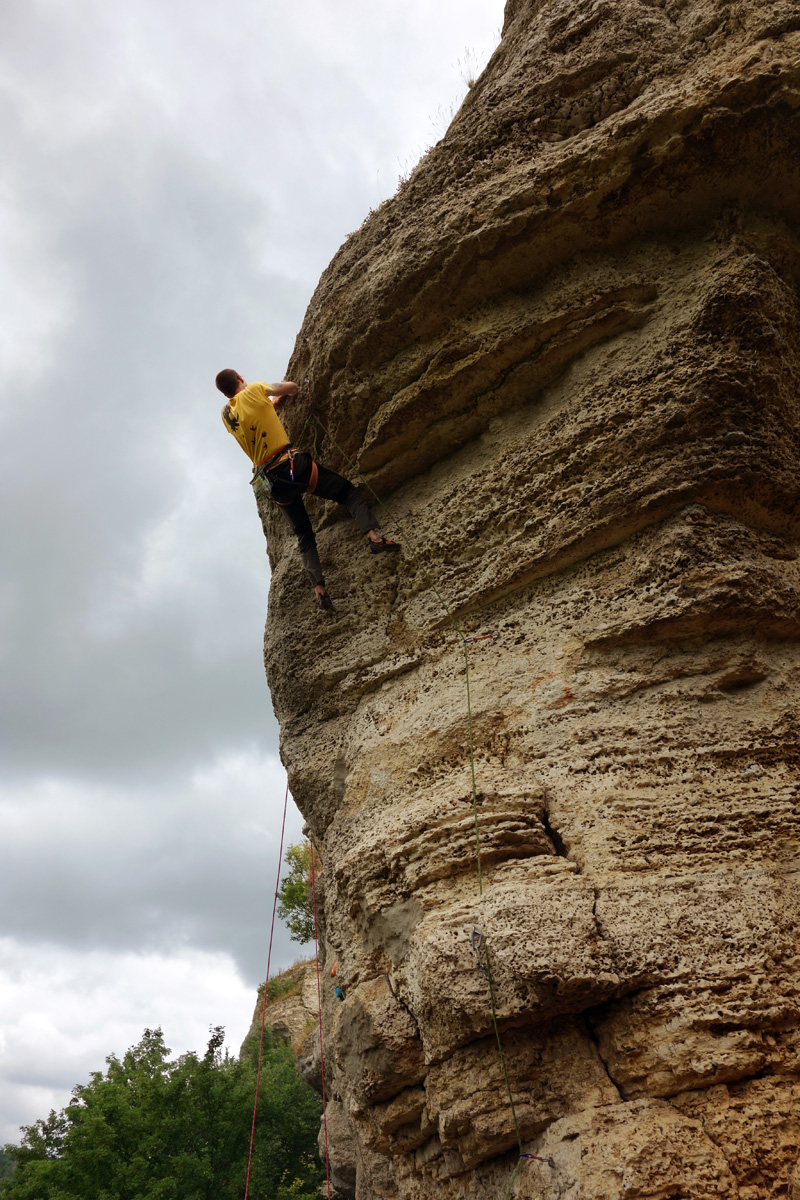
<point>176,177</point>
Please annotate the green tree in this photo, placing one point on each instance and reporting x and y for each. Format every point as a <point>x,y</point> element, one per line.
<point>295,904</point>
<point>155,1129</point>
<point>6,1162</point>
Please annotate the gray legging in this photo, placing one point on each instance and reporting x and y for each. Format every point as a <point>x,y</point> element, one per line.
<point>310,476</point>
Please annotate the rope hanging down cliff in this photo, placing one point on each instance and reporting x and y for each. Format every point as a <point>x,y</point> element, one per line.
<point>264,999</point>
<point>264,1009</point>
<point>319,1022</point>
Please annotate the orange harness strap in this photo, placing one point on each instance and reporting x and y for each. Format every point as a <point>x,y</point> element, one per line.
<point>272,459</point>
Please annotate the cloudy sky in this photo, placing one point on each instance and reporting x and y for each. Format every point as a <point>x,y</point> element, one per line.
<point>176,177</point>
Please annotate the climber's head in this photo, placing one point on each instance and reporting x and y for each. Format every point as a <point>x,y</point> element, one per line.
<point>229,382</point>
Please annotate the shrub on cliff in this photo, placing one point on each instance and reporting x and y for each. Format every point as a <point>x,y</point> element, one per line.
<point>155,1129</point>
<point>295,905</point>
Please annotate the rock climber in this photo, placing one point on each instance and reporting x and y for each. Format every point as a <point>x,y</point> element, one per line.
<point>286,473</point>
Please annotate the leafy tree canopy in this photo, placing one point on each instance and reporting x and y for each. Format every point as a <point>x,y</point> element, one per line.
<point>152,1128</point>
<point>294,894</point>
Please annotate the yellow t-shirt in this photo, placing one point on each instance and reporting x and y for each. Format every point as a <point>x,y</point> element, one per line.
<point>250,416</point>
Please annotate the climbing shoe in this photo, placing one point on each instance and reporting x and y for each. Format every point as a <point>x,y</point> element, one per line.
<point>324,601</point>
<point>384,546</point>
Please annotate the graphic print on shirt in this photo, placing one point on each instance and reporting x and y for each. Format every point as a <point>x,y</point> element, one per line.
<point>228,417</point>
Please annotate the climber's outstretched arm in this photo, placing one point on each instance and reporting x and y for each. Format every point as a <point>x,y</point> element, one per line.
<point>279,390</point>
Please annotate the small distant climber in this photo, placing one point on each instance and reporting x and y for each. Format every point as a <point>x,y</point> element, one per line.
<point>288,473</point>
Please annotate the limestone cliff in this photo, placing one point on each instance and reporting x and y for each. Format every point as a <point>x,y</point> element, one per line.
<point>292,1013</point>
<point>567,355</point>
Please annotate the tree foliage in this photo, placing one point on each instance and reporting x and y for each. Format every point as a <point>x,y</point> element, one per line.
<point>155,1129</point>
<point>294,894</point>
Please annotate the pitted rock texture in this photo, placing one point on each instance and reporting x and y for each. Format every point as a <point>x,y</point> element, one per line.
<point>567,356</point>
<point>293,1015</point>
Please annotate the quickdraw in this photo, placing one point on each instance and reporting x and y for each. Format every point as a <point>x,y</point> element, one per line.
<point>477,940</point>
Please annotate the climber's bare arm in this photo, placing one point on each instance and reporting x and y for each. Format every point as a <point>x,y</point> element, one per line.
<point>279,390</point>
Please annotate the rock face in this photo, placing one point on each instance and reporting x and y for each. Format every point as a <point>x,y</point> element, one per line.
<point>567,356</point>
<point>293,1015</point>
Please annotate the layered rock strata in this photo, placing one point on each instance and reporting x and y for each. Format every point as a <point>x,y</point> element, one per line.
<point>567,356</point>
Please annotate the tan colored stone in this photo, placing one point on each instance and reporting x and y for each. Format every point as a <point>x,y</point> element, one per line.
<point>401,1124</point>
<point>337,1137</point>
<point>292,1016</point>
<point>555,1072</point>
<point>376,1043</point>
<point>756,1124</point>
<point>570,349</point>
<point>645,1148</point>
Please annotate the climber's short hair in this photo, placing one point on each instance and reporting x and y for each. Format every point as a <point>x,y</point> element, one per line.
<point>228,381</point>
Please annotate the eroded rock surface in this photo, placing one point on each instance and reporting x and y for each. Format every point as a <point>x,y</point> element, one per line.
<point>569,350</point>
<point>293,1013</point>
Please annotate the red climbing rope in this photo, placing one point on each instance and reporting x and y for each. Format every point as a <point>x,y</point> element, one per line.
<point>319,1003</point>
<point>264,1003</point>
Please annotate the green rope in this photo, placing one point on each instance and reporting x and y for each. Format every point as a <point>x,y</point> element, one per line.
<point>472,769</point>
<point>500,1045</point>
<point>513,1180</point>
<point>409,543</point>
<point>305,427</point>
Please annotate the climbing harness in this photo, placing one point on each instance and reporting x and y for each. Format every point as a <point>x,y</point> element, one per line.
<point>272,460</point>
<point>261,482</point>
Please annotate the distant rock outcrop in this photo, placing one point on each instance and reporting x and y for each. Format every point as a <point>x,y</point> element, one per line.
<point>292,1014</point>
<point>569,349</point>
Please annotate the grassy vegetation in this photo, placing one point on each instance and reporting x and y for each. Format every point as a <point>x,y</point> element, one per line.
<point>288,983</point>
<point>280,986</point>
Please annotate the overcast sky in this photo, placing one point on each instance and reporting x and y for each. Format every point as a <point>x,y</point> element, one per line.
<point>176,176</point>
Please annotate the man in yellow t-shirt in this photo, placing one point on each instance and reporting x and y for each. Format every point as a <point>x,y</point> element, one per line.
<point>251,418</point>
